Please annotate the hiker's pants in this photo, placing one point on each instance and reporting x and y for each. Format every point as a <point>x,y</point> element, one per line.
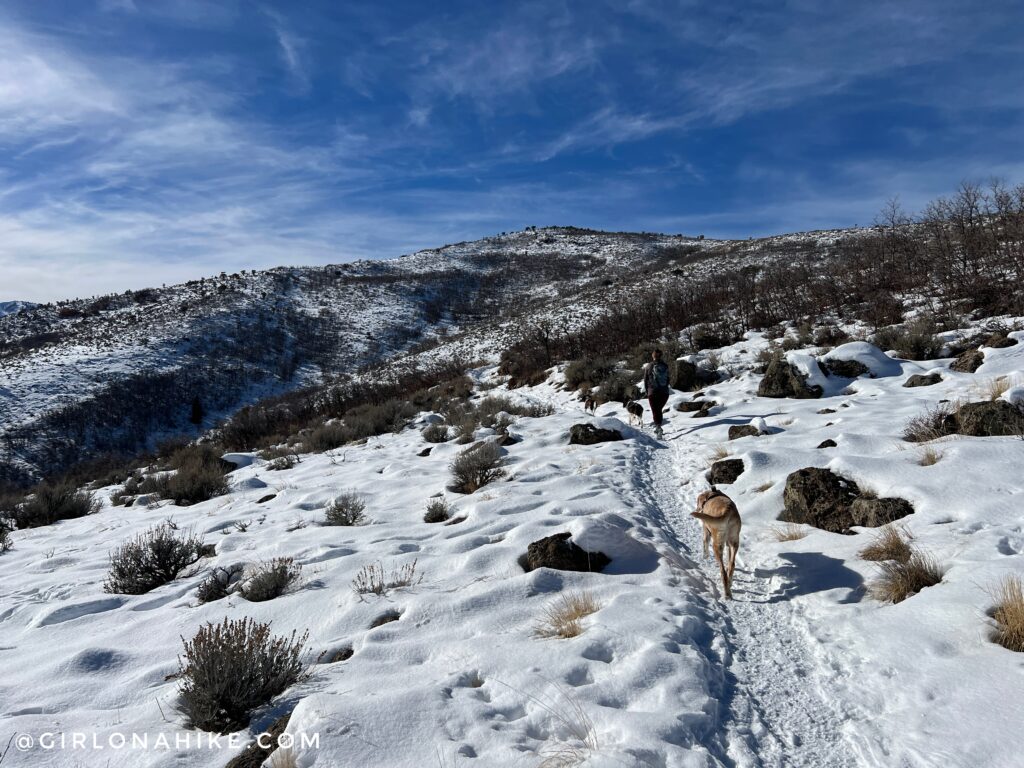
<point>657,399</point>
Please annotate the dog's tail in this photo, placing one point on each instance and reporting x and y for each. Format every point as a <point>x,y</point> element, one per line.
<point>714,522</point>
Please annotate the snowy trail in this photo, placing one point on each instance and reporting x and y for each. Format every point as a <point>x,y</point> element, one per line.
<point>773,708</point>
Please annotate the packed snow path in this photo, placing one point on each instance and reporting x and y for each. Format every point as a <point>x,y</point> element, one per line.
<point>774,708</point>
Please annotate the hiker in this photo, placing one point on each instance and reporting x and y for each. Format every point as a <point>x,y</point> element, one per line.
<point>656,387</point>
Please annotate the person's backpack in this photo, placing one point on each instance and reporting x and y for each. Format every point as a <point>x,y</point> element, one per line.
<point>661,375</point>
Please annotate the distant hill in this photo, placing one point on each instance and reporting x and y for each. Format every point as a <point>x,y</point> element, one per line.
<point>11,307</point>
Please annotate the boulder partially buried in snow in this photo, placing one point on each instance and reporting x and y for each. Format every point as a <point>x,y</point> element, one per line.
<point>561,554</point>
<point>871,513</point>
<point>785,378</point>
<point>968,362</point>
<point>725,471</point>
<point>987,419</point>
<point>859,358</point>
<point>819,497</point>
<point>923,379</point>
<point>590,434</point>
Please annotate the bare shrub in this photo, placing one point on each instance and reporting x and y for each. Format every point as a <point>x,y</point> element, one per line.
<point>491,406</point>
<point>199,476</point>
<point>5,535</point>
<point>929,425</point>
<point>435,433</point>
<point>326,437</point>
<point>789,532</point>
<point>564,616</point>
<point>347,509</point>
<point>588,372</point>
<point>438,511</point>
<point>271,579</point>
<point>475,467</point>
<point>229,669</point>
<point>373,579</point>
<point>829,336</point>
<point>893,542</point>
<point>897,581</point>
<point>51,502</point>
<point>1009,614</point>
<point>215,586</point>
<point>150,560</point>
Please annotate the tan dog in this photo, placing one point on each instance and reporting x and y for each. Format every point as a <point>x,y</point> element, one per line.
<point>722,525</point>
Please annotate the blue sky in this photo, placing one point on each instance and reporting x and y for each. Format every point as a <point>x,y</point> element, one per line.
<point>152,141</point>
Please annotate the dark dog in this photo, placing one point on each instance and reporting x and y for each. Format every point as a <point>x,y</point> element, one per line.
<point>635,411</point>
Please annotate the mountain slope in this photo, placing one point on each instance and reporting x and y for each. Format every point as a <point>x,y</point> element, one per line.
<point>116,373</point>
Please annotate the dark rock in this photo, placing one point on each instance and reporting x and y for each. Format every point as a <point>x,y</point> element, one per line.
<point>689,376</point>
<point>817,497</point>
<point>988,419</point>
<point>507,439</point>
<point>559,553</point>
<point>923,380</point>
<point>426,451</point>
<point>871,513</point>
<point>588,434</point>
<point>705,411</point>
<point>847,369</point>
<point>827,410</point>
<point>781,379</point>
<point>725,471</point>
<point>208,550</point>
<point>689,406</point>
<point>827,444</point>
<point>743,430</point>
<point>968,362</point>
<point>999,341</point>
<point>265,499</point>
<point>255,755</point>
<point>342,654</point>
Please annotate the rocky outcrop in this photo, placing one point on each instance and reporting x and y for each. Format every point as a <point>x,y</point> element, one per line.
<point>923,379</point>
<point>871,513</point>
<point>847,369</point>
<point>987,419</point>
<point>561,554</point>
<point>690,406</point>
<point>827,444</point>
<point>782,379</point>
<point>737,431</point>
<point>819,497</point>
<point>588,434</point>
<point>725,471</point>
<point>968,362</point>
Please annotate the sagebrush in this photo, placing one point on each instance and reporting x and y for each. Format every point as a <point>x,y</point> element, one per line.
<point>229,669</point>
<point>152,559</point>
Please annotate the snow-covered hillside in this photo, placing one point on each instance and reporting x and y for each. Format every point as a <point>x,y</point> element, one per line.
<point>803,668</point>
<point>115,373</point>
<point>11,307</point>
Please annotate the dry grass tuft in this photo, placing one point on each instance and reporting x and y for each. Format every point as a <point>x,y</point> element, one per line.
<point>1009,614</point>
<point>891,543</point>
<point>718,452</point>
<point>929,456</point>
<point>564,616</point>
<point>898,581</point>
<point>992,389</point>
<point>789,532</point>
<point>283,758</point>
<point>373,579</point>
